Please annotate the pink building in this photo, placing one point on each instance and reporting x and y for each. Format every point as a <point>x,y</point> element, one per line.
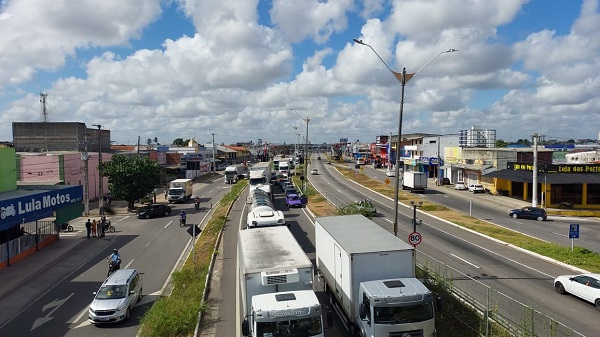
<point>61,168</point>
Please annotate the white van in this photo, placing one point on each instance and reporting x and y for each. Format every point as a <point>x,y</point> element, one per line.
<point>116,297</point>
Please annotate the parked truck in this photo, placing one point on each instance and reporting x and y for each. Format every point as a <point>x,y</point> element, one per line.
<point>260,177</point>
<point>369,276</point>
<point>180,190</point>
<point>276,282</point>
<point>233,173</point>
<point>414,181</point>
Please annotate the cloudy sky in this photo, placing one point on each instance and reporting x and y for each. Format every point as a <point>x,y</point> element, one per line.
<point>245,70</point>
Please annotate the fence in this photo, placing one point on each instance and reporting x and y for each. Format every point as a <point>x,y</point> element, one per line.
<point>497,310</point>
<point>36,233</point>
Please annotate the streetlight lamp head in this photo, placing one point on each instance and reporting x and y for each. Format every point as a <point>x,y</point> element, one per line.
<point>359,41</point>
<point>451,50</point>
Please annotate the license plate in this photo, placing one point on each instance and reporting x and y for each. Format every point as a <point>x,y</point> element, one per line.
<point>103,319</point>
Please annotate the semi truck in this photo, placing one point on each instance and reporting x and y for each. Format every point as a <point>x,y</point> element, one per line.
<point>369,275</point>
<point>414,181</point>
<point>180,190</point>
<point>260,177</point>
<point>284,167</point>
<point>233,173</point>
<point>276,282</point>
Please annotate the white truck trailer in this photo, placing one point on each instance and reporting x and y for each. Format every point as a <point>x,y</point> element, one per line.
<point>180,190</point>
<point>233,173</point>
<point>369,275</point>
<point>260,177</point>
<point>261,211</point>
<point>276,281</point>
<point>414,181</point>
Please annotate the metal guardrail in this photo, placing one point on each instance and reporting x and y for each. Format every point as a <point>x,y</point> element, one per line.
<point>495,308</point>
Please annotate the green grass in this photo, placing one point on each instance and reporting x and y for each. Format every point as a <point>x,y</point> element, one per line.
<point>176,314</point>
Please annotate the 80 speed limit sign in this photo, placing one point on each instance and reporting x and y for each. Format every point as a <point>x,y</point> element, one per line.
<point>414,238</point>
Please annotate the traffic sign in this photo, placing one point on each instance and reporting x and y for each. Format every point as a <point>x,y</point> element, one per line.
<point>414,238</point>
<point>574,231</point>
<point>194,230</point>
<point>387,181</point>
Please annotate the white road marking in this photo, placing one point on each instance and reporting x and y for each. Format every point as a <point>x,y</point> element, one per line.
<point>465,261</point>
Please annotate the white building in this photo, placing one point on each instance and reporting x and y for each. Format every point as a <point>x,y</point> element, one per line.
<point>477,137</point>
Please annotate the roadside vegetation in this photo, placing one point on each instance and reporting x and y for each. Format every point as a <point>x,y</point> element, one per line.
<point>176,314</point>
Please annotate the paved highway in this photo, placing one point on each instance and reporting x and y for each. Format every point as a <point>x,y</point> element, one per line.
<point>522,276</point>
<point>153,246</point>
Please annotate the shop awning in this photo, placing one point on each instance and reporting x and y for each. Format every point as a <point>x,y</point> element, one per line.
<point>550,178</point>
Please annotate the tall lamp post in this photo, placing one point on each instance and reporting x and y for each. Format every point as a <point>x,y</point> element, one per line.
<point>100,180</point>
<point>402,77</point>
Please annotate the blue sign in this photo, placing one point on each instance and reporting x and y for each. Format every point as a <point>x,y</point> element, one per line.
<point>37,206</point>
<point>574,231</point>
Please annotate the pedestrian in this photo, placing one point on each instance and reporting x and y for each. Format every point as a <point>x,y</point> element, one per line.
<point>88,228</point>
<point>101,225</point>
<point>166,192</point>
<point>154,197</point>
<point>94,228</point>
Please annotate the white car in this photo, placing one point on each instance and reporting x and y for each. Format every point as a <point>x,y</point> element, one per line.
<point>584,286</point>
<point>314,171</point>
<point>390,173</point>
<point>460,186</point>
<point>476,188</point>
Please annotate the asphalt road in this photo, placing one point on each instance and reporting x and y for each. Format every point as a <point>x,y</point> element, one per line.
<point>504,269</point>
<point>153,246</point>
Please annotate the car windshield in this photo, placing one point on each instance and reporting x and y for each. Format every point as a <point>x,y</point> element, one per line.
<point>404,314</point>
<point>111,292</point>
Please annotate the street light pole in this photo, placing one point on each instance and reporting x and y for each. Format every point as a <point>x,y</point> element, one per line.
<point>402,77</point>
<point>100,180</point>
<point>415,206</point>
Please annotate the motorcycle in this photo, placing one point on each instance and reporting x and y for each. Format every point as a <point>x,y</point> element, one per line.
<point>181,222</point>
<point>567,205</point>
<point>112,267</point>
<point>108,227</point>
<point>197,205</point>
<point>64,227</point>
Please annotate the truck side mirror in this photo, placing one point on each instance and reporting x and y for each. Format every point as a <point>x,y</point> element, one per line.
<point>361,311</point>
<point>245,329</point>
<point>439,303</point>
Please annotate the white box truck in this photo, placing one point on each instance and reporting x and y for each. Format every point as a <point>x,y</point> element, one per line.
<point>276,282</point>
<point>233,173</point>
<point>369,276</point>
<point>260,177</point>
<point>414,181</point>
<point>180,190</point>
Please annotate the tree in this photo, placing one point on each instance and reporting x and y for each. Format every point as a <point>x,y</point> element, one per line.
<point>178,142</point>
<point>131,178</point>
<point>501,143</point>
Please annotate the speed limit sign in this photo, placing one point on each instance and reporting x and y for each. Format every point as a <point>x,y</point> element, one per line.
<point>414,238</point>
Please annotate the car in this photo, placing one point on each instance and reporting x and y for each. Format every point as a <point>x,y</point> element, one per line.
<point>390,173</point>
<point>294,199</point>
<point>328,162</point>
<point>314,171</point>
<point>534,213</point>
<point>318,158</point>
<point>153,210</point>
<point>584,286</point>
<point>356,166</point>
<point>460,186</point>
<point>116,297</point>
<point>476,188</point>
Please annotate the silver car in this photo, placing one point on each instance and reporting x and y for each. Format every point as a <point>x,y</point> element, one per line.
<point>116,297</point>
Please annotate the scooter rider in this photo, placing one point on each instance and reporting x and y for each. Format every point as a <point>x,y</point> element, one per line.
<point>182,217</point>
<point>114,262</point>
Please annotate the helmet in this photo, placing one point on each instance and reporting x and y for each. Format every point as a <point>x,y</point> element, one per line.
<point>115,250</point>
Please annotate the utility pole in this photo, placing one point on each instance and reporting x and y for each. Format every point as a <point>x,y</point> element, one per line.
<point>100,180</point>
<point>437,171</point>
<point>43,100</point>
<point>534,194</point>
<point>86,184</point>
<point>214,158</point>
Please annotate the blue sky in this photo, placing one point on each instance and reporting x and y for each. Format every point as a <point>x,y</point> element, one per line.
<point>249,69</point>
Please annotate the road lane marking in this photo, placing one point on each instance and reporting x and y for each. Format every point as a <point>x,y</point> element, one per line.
<point>465,261</point>
<point>56,304</point>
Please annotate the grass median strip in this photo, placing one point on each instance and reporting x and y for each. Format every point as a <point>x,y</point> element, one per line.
<point>176,314</point>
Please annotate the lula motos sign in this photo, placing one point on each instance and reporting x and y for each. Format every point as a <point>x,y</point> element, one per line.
<point>36,203</point>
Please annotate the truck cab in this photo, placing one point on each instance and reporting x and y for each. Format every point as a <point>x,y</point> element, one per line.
<point>400,306</point>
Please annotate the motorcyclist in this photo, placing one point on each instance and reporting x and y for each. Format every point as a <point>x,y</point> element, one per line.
<point>182,217</point>
<point>197,203</point>
<point>114,262</point>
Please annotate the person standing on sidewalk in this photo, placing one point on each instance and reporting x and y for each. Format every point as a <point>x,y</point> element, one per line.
<point>88,228</point>
<point>94,228</point>
<point>101,225</point>
<point>166,193</point>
